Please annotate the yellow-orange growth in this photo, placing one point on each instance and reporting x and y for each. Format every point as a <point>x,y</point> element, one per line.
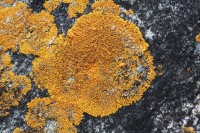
<point>75,6</point>
<point>198,38</point>
<point>104,61</point>
<point>101,65</point>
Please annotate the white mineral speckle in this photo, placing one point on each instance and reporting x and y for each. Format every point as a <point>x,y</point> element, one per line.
<point>160,6</point>
<point>138,20</point>
<point>50,126</point>
<point>149,34</point>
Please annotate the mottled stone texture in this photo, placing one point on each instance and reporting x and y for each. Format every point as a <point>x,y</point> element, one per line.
<point>172,101</point>
<point>36,5</point>
<point>62,20</point>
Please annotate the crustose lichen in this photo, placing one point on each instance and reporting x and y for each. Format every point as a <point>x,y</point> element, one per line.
<point>101,65</point>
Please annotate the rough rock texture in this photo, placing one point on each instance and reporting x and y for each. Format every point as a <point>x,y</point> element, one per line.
<point>35,5</point>
<point>172,101</point>
<point>62,20</point>
<point>22,63</point>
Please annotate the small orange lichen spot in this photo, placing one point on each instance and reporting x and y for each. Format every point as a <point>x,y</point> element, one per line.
<point>5,61</point>
<point>13,22</point>
<point>37,110</point>
<point>51,5</point>
<point>6,2</point>
<point>41,31</point>
<point>198,38</point>
<point>65,116</point>
<point>75,6</point>
<point>188,130</point>
<point>129,12</point>
<point>18,130</point>
<point>106,6</point>
<point>158,70</point>
<point>13,88</point>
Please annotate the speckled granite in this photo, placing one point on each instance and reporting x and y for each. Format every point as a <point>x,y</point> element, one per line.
<point>172,101</point>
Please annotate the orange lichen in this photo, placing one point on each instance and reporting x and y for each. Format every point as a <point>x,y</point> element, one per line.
<point>13,88</point>
<point>66,116</point>
<point>129,12</point>
<point>101,65</point>
<point>12,31</point>
<point>106,6</point>
<point>5,61</point>
<point>188,130</point>
<point>98,65</point>
<point>6,2</point>
<point>198,38</point>
<point>41,31</point>
<point>32,33</point>
<point>18,130</point>
<point>51,5</point>
<point>38,108</point>
<point>13,25</point>
<point>75,6</point>
<point>106,70</point>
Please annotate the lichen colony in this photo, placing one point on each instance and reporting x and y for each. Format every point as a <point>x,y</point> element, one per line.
<point>100,65</point>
